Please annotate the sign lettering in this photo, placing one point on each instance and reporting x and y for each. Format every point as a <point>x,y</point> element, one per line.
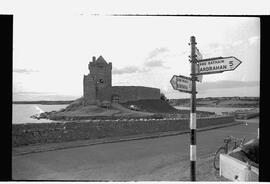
<point>181,83</point>
<point>217,65</point>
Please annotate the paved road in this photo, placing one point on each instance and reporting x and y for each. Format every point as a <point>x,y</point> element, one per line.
<point>165,158</point>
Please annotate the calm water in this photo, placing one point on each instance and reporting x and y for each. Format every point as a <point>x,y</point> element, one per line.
<point>217,110</point>
<point>21,112</point>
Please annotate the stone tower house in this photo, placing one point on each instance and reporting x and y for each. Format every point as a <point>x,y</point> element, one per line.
<point>97,86</point>
<point>100,77</point>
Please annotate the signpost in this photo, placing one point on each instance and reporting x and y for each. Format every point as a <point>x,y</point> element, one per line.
<point>181,83</point>
<point>218,65</point>
<point>199,67</point>
<point>192,116</point>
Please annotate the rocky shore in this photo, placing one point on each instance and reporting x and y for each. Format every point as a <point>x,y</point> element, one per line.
<point>149,109</point>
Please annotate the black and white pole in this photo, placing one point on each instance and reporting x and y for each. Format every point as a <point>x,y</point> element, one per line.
<point>193,112</point>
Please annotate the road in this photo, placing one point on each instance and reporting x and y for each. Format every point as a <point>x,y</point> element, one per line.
<point>157,159</point>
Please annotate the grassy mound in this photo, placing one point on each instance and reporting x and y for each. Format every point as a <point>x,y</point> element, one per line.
<point>154,106</point>
<point>148,108</point>
<point>75,105</point>
<point>76,110</point>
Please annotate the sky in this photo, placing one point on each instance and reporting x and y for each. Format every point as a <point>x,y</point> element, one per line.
<point>52,49</point>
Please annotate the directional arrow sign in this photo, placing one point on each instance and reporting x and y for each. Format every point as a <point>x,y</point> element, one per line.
<point>217,65</point>
<point>181,83</point>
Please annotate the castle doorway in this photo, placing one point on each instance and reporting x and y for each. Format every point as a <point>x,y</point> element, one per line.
<point>115,98</point>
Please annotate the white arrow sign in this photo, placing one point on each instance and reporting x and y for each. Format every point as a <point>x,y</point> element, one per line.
<point>217,65</point>
<point>181,83</point>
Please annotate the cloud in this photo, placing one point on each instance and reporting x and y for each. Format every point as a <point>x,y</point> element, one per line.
<point>253,39</point>
<point>237,43</point>
<point>128,70</point>
<point>229,47</point>
<point>214,49</point>
<point>154,63</point>
<point>151,61</point>
<point>24,71</point>
<point>226,84</point>
<point>157,52</point>
<point>155,58</point>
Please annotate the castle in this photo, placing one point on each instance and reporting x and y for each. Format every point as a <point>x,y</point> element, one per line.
<point>97,86</point>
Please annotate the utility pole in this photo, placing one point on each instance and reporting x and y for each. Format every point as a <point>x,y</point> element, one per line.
<point>193,111</point>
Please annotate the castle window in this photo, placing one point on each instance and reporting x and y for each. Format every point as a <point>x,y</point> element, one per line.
<point>115,98</point>
<point>100,81</point>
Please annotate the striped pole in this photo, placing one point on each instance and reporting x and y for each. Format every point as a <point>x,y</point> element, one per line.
<point>193,113</point>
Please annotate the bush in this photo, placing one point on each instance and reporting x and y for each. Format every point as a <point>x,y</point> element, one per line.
<point>163,97</point>
<point>105,104</point>
<point>158,116</point>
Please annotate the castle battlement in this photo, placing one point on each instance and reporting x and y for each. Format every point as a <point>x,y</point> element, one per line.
<point>99,63</point>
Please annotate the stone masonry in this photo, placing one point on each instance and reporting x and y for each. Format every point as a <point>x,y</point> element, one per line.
<point>97,86</point>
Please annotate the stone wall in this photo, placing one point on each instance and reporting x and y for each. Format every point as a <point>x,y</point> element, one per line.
<point>25,134</point>
<point>129,93</point>
<point>89,90</point>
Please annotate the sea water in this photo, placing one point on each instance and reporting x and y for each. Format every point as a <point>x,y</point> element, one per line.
<point>21,112</point>
<point>217,110</point>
